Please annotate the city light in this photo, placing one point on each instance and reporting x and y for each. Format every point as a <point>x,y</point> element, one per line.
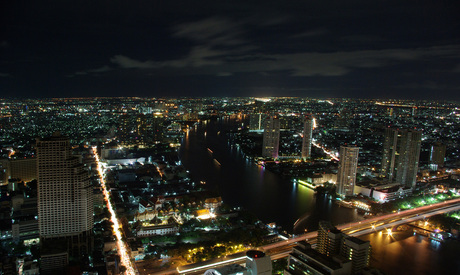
<point>124,255</point>
<point>329,153</point>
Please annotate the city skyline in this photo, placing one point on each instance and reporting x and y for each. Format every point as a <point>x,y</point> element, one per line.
<point>196,180</point>
<point>358,49</point>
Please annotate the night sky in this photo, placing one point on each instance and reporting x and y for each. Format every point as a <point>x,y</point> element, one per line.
<point>344,48</point>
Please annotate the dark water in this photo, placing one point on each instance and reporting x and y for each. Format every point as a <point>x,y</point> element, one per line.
<point>405,253</point>
<point>242,183</point>
<point>274,199</point>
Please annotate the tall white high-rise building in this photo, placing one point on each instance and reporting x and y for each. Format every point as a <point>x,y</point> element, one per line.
<point>348,164</point>
<point>65,203</point>
<point>307,137</point>
<point>271,138</point>
<point>401,153</point>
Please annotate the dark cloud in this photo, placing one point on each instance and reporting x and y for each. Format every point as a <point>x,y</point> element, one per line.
<point>310,33</point>
<point>96,71</point>
<point>299,64</point>
<point>212,31</point>
<point>129,63</point>
<point>298,47</point>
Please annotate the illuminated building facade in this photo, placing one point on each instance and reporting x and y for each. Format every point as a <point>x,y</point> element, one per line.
<point>307,137</point>
<point>271,138</point>
<point>401,153</point>
<point>348,164</point>
<point>65,203</point>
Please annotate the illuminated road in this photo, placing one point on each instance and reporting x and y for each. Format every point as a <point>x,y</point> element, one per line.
<point>282,249</point>
<point>327,152</point>
<point>389,104</point>
<point>122,247</point>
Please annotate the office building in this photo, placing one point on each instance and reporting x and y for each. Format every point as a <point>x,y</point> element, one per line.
<point>346,176</point>
<point>65,204</point>
<point>24,218</point>
<point>401,153</point>
<point>24,230</point>
<point>54,263</point>
<point>307,137</point>
<point>286,123</point>
<point>271,137</point>
<point>256,122</point>
<point>329,239</point>
<point>156,128</point>
<point>323,228</point>
<point>23,169</point>
<point>4,172</point>
<point>342,122</point>
<point>18,169</point>
<point>382,191</point>
<point>305,260</point>
<point>438,154</point>
<point>358,252</point>
<point>257,263</point>
<point>231,269</point>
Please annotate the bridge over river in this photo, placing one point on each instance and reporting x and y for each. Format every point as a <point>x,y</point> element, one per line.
<point>283,248</point>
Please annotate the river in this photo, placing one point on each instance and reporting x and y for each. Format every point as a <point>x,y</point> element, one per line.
<point>406,253</point>
<point>209,155</point>
<point>275,199</point>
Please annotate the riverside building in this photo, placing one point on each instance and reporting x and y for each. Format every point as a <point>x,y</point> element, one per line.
<point>401,153</point>
<point>271,138</point>
<point>346,176</point>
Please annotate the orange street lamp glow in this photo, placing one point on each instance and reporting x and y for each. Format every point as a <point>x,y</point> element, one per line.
<point>124,256</point>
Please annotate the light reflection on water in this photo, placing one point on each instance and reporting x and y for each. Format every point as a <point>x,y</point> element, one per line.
<point>406,253</point>
<point>274,199</point>
<point>243,183</point>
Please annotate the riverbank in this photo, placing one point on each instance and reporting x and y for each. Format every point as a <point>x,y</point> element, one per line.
<point>245,184</point>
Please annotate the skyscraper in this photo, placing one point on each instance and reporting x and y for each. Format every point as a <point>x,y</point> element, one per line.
<point>256,122</point>
<point>307,137</point>
<point>65,204</point>
<point>329,239</point>
<point>305,260</point>
<point>271,137</point>
<point>358,251</point>
<point>401,153</point>
<point>438,153</point>
<point>346,176</point>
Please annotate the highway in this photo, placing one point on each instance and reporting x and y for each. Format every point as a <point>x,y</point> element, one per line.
<point>385,222</point>
<point>121,245</point>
